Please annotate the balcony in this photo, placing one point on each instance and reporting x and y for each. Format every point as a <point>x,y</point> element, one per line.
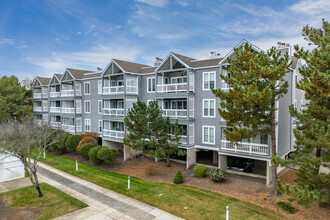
<point>37,95</point>
<point>45,108</point>
<point>55,109</point>
<point>68,128</point>
<point>245,147</point>
<point>175,113</point>
<point>172,88</point>
<point>114,90</point>
<point>67,93</point>
<point>67,110</point>
<point>45,95</point>
<point>55,124</point>
<point>37,108</point>
<point>114,112</point>
<point>113,134</point>
<point>54,94</point>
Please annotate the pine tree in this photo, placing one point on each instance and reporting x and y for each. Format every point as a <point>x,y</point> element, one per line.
<point>312,122</point>
<point>256,82</point>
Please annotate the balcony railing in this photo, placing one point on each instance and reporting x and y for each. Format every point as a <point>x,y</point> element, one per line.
<point>45,108</point>
<point>113,90</point>
<point>244,147</point>
<point>37,108</point>
<point>55,109</point>
<point>45,95</point>
<point>113,134</point>
<point>66,110</point>
<point>37,95</point>
<point>172,88</point>
<point>54,94</point>
<point>67,93</point>
<point>115,112</point>
<point>175,113</point>
<point>68,128</point>
<point>55,124</point>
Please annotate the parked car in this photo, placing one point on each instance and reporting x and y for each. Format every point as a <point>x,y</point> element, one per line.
<point>240,164</point>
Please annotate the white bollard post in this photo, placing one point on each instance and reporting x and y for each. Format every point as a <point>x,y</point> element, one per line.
<point>44,155</point>
<point>227,213</point>
<point>76,165</point>
<point>129,182</point>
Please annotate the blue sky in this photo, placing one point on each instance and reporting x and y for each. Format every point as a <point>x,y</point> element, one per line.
<point>43,37</point>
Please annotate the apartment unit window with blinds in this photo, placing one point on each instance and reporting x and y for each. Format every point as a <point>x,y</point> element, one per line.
<point>208,80</point>
<point>151,87</point>
<point>208,134</point>
<point>209,108</point>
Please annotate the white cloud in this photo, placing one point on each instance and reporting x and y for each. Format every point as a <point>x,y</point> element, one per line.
<point>156,3</point>
<point>6,41</point>
<point>311,7</point>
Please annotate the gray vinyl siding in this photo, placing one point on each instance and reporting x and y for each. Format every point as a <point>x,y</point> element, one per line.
<point>145,96</point>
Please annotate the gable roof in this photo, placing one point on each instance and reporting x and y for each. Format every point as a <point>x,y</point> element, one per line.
<point>78,73</point>
<point>58,76</point>
<point>205,63</point>
<point>130,66</point>
<point>44,81</point>
<point>92,75</point>
<point>184,59</point>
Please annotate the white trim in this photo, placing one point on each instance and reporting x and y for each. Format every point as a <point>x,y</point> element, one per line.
<point>90,107</point>
<point>151,78</point>
<point>167,57</point>
<point>208,142</point>
<point>215,81</point>
<point>99,89</point>
<point>85,88</point>
<point>90,125</point>
<point>98,107</point>
<point>66,70</point>
<point>209,108</point>
<point>100,130</point>
<point>109,64</point>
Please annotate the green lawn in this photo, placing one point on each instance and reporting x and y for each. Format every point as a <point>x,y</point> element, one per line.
<point>54,203</point>
<point>202,204</point>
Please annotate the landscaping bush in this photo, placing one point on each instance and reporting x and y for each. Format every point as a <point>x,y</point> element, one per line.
<point>178,177</point>
<point>218,175</point>
<point>92,154</point>
<point>151,169</point>
<point>89,134</point>
<point>107,155</point>
<point>200,170</point>
<point>86,140</point>
<point>287,207</point>
<point>83,151</point>
<point>72,143</point>
<point>59,147</point>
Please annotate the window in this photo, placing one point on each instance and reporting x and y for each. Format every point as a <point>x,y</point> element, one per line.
<point>179,80</point>
<point>99,87</point>
<point>87,88</point>
<point>151,87</point>
<point>100,126</point>
<point>99,106</point>
<point>208,135</point>
<point>87,124</point>
<point>209,108</point>
<point>208,80</point>
<point>87,106</point>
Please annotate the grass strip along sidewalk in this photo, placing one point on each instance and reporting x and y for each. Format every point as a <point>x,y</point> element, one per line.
<point>54,203</point>
<point>181,200</point>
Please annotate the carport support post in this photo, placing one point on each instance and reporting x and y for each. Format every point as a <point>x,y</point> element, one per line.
<point>268,172</point>
<point>191,157</point>
<point>222,162</point>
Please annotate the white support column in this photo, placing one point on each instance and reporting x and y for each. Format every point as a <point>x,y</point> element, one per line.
<point>191,157</point>
<point>215,157</point>
<point>222,162</point>
<point>129,153</point>
<point>268,173</point>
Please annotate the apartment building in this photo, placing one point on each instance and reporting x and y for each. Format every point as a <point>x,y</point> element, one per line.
<point>83,100</point>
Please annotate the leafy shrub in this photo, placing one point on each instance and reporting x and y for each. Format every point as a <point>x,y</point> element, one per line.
<point>89,134</point>
<point>200,170</point>
<point>107,155</point>
<point>287,207</point>
<point>218,175</point>
<point>59,147</point>
<point>86,140</point>
<point>151,169</point>
<point>178,177</point>
<point>72,143</point>
<point>92,154</point>
<point>83,151</point>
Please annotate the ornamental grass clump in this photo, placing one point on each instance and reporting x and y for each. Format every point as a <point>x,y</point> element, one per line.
<point>218,175</point>
<point>200,170</point>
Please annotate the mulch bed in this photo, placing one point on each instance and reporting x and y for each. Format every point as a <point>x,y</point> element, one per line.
<point>28,213</point>
<point>249,189</point>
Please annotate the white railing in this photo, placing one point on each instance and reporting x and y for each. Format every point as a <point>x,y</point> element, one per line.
<point>245,147</point>
<point>131,89</point>
<point>45,108</point>
<point>66,110</point>
<point>37,108</point>
<point>45,95</point>
<point>78,110</point>
<point>54,94</point>
<point>37,95</point>
<point>116,112</point>
<point>78,92</point>
<point>119,90</point>
<point>79,128</point>
<point>113,134</point>
<point>68,128</point>
<point>38,122</point>
<point>67,93</point>
<point>55,124</point>
<point>55,109</point>
<point>172,88</point>
<point>176,113</point>
<point>183,139</point>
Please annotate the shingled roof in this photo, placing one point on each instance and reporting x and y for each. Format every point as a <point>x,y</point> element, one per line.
<point>92,75</point>
<point>58,75</point>
<point>132,67</point>
<point>77,73</point>
<point>192,62</point>
<point>44,81</point>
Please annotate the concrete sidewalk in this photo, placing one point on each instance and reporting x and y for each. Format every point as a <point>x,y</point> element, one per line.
<point>103,203</point>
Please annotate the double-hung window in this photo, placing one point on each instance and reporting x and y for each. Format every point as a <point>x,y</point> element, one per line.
<point>99,87</point>
<point>151,87</point>
<point>88,106</point>
<point>99,106</point>
<point>87,124</point>
<point>100,126</point>
<point>209,108</point>
<point>208,80</point>
<point>87,89</point>
<point>208,135</point>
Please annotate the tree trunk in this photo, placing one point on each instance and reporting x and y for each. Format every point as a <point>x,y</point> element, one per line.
<point>274,169</point>
<point>168,161</point>
<point>32,174</point>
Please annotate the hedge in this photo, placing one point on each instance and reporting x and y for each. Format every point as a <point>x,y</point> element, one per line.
<point>200,170</point>
<point>107,155</point>
<point>92,154</point>
<point>86,140</point>
<point>72,143</point>
<point>83,151</point>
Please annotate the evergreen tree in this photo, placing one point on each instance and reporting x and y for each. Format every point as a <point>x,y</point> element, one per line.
<point>256,82</point>
<point>312,122</point>
<point>150,132</point>
<point>15,100</point>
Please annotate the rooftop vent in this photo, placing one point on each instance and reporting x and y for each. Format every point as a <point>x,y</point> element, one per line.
<point>98,68</point>
<point>214,54</point>
<point>158,61</point>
